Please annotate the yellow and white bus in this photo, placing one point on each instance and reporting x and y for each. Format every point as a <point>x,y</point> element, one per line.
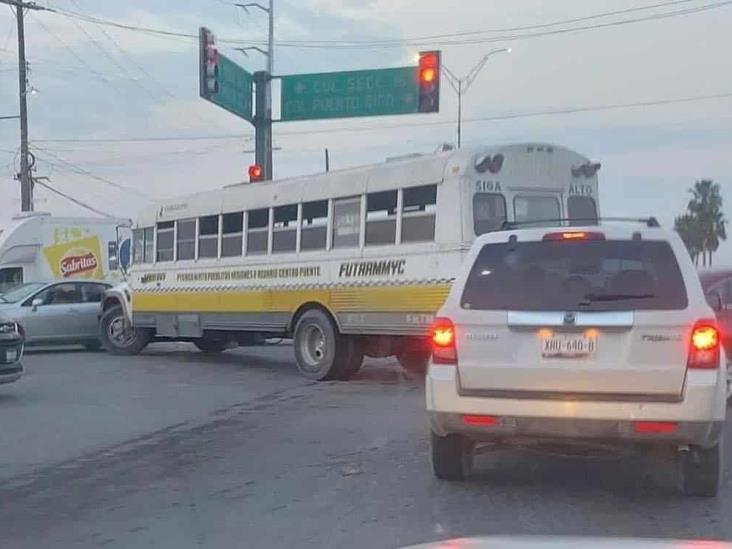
<point>348,263</point>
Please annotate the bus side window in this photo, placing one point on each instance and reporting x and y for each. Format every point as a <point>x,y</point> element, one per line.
<point>314,225</point>
<point>138,246</point>
<point>381,216</point>
<point>186,236</point>
<point>284,231</point>
<point>208,236</point>
<point>489,212</point>
<point>346,222</point>
<point>166,230</point>
<point>418,213</point>
<point>257,231</point>
<point>582,208</point>
<point>232,234</point>
<point>149,236</point>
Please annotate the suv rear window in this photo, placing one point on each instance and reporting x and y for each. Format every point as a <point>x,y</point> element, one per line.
<point>596,275</point>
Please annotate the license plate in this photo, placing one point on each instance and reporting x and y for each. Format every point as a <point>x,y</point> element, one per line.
<point>569,346</point>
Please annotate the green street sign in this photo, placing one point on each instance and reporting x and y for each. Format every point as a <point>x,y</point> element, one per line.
<point>235,88</point>
<point>351,93</point>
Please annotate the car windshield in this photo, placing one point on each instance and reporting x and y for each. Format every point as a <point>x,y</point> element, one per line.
<point>20,292</point>
<point>588,275</point>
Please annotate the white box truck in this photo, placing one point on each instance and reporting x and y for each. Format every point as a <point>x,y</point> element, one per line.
<point>37,246</point>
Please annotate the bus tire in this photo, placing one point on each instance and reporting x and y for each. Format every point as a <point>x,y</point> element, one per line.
<point>211,345</point>
<point>355,360</point>
<point>414,361</point>
<point>321,352</point>
<point>115,339</point>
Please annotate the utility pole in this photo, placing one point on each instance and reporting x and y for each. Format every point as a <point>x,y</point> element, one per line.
<point>263,95</point>
<point>26,181</point>
<point>462,85</point>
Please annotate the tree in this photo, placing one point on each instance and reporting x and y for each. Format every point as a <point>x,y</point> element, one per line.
<point>706,208</point>
<point>703,225</point>
<point>689,232</point>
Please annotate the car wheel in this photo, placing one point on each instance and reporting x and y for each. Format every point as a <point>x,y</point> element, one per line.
<point>321,352</point>
<point>701,471</point>
<point>117,338</point>
<point>452,456</point>
<point>212,345</point>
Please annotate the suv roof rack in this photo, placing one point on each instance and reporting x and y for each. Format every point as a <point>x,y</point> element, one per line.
<point>513,225</point>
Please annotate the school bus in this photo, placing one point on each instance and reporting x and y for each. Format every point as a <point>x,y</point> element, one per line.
<point>347,263</point>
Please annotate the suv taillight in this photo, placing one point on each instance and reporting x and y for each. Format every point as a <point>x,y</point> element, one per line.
<point>442,335</point>
<point>704,346</point>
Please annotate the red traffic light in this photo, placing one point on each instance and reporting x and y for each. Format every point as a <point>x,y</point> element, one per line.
<point>255,172</point>
<point>428,76</point>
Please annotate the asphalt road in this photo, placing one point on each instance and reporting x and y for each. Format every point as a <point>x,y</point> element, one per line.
<point>176,449</point>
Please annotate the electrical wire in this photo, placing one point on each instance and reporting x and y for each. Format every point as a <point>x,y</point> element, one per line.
<point>72,199</point>
<point>443,40</point>
<point>87,173</point>
<point>352,129</point>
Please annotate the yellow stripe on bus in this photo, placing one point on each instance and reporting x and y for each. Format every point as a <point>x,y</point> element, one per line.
<point>358,299</point>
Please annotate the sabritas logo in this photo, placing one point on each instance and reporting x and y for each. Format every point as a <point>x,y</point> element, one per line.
<point>77,262</point>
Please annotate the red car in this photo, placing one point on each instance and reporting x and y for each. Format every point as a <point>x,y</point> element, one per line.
<point>719,282</point>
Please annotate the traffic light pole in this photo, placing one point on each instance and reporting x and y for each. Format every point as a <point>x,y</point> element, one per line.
<point>263,124</point>
<point>263,95</point>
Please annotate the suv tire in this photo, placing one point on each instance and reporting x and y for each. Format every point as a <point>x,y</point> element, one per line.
<point>701,471</point>
<point>452,456</point>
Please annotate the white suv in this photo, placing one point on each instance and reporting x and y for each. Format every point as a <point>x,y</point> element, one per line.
<point>578,335</point>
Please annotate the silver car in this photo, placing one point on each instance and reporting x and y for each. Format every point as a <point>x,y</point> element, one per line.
<point>56,313</point>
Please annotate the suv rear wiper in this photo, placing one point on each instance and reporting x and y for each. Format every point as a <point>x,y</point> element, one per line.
<point>589,298</point>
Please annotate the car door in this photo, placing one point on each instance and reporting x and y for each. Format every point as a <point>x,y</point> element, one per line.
<point>55,318</point>
<point>88,315</point>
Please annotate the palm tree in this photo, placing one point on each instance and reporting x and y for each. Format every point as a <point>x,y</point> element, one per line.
<point>705,207</point>
<point>689,232</point>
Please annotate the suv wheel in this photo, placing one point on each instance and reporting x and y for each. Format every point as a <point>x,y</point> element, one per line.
<point>701,471</point>
<point>452,456</point>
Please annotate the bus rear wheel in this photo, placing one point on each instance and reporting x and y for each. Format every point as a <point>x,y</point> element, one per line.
<point>211,345</point>
<point>321,352</point>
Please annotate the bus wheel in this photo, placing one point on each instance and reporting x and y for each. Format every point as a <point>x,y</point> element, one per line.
<point>355,360</point>
<point>119,339</point>
<point>414,361</point>
<point>320,351</point>
<point>211,345</point>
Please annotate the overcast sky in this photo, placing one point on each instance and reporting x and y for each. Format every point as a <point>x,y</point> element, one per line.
<point>105,83</point>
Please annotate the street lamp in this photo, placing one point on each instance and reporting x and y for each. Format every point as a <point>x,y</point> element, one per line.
<point>462,85</point>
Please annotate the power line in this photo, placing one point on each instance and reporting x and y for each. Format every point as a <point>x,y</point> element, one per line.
<point>429,40</point>
<point>72,199</point>
<point>91,175</point>
<point>145,139</point>
<point>514,37</point>
<point>513,116</point>
<point>348,129</point>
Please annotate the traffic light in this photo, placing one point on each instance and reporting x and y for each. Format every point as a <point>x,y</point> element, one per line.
<point>209,64</point>
<point>255,173</point>
<point>428,75</point>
